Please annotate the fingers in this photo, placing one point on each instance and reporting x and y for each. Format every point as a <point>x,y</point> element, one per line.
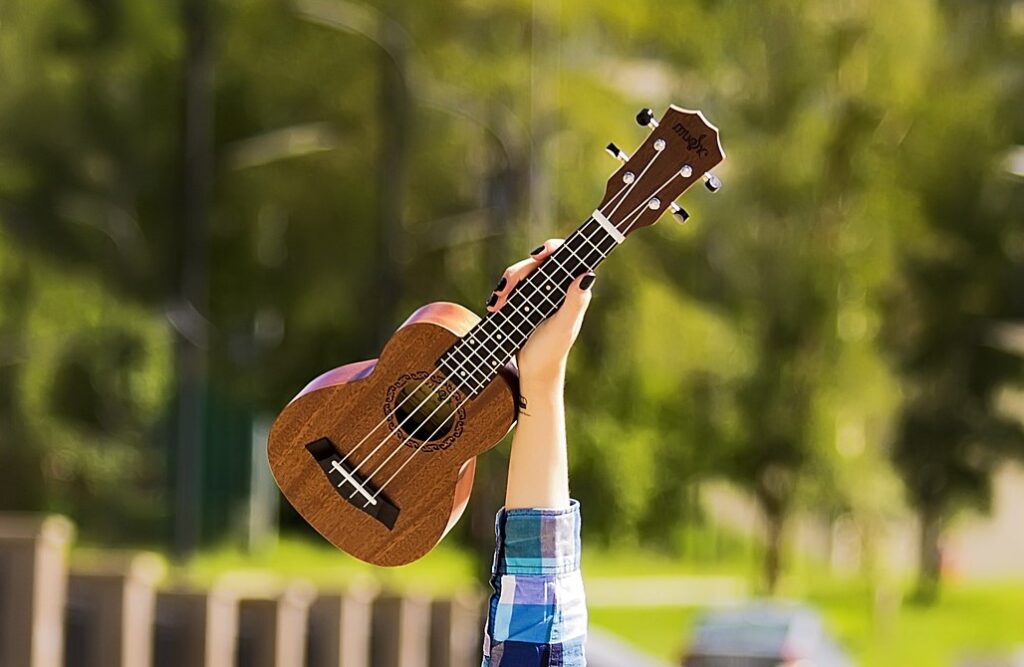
<point>544,250</point>
<point>515,273</point>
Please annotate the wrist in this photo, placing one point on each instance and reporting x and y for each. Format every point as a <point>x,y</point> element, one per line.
<point>547,384</point>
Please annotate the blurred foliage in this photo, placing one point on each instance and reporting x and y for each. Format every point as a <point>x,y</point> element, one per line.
<point>814,318</point>
<point>957,284</point>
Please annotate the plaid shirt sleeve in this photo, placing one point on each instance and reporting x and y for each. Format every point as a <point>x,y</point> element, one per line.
<point>538,613</point>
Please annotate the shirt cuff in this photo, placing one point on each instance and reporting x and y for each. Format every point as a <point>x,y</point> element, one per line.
<point>537,541</point>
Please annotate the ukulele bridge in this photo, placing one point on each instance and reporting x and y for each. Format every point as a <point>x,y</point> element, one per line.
<point>351,485</point>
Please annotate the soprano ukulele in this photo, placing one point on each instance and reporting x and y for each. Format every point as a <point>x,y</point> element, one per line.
<point>379,455</point>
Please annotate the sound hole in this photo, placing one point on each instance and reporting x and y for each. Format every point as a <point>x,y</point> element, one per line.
<point>424,414</point>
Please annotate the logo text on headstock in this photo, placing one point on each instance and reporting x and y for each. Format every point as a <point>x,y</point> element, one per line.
<point>695,144</point>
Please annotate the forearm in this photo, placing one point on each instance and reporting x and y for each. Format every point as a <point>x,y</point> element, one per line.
<point>538,615</point>
<point>538,469</point>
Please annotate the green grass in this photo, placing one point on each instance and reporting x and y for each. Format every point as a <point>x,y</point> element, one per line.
<point>968,619</point>
<point>443,570</point>
<point>620,563</point>
<point>659,631</point>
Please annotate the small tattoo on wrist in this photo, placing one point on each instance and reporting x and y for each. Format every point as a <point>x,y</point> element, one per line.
<point>522,404</point>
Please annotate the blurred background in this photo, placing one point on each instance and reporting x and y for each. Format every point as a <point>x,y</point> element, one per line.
<point>813,392</point>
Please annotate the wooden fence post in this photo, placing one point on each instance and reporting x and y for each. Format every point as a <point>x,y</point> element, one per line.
<point>401,631</point>
<point>110,612</point>
<point>33,581</point>
<point>340,625</point>
<point>272,627</point>
<point>456,630</point>
<point>195,628</point>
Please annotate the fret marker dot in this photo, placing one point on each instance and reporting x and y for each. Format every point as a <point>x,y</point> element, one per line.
<point>628,177</point>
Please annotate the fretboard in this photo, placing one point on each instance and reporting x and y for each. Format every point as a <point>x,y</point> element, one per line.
<point>474,360</point>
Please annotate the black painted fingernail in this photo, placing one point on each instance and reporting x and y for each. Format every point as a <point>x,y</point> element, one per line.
<point>493,300</point>
<point>501,284</point>
<point>538,250</point>
<point>587,281</point>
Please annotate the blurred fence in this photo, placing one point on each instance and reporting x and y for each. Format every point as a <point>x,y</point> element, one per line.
<point>116,614</point>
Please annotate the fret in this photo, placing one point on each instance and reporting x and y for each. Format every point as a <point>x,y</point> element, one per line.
<point>511,344</point>
<point>447,372</point>
<point>531,314</point>
<point>589,239</point>
<point>508,320</point>
<point>478,340</point>
<point>465,371</point>
<point>595,255</point>
<point>467,352</point>
<point>458,363</point>
<point>586,239</point>
<point>502,336</point>
<point>544,309</point>
<point>462,371</point>
<point>470,384</point>
<point>494,341</point>
<point>577,263</point>
<point>446,367</point>
<point>523,324</point>
<point>497,336</point>
<point>546,289</point>
<point>554,260</point>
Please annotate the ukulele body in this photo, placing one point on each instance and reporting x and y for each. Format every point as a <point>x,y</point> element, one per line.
<point>319,446</point>
<point>383,479</point>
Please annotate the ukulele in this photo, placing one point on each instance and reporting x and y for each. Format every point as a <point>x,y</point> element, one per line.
<point>379,455</point>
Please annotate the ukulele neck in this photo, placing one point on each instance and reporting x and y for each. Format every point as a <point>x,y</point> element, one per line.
<point>475,359</point>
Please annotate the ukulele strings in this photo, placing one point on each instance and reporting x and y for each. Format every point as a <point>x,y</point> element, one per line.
<point>637,212</point>
<point>462,366</point>
<point>636,181</point>
<point>625,192</point>
<point>464,401</point>
<point>442,424</point>
<point>507,315</point>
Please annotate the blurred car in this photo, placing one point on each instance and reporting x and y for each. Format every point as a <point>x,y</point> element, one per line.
<point>764,634</point>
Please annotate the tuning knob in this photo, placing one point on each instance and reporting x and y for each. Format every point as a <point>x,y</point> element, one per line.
<point>645,118</point>
<point>679,213</point>
<point>616,152</point>
<point>711,182</point>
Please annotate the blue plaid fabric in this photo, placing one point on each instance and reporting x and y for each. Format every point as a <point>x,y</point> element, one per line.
<point>538,613</point>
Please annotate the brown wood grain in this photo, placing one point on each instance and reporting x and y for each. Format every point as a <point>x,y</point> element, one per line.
<point>346,403</point>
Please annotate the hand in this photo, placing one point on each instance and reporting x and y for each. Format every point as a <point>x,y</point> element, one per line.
<point>542,359</point>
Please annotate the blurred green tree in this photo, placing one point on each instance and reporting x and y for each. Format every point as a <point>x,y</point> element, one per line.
<point>958,279</point>
<point>791,253</point>
<point>369,157</point>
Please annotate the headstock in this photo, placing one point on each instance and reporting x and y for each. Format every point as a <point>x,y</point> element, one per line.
<point>682,149</point>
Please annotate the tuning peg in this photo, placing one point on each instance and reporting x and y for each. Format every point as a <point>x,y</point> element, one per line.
<point>616,152</point>
<point>679,213</point>
<point>711,182</point>
<point>646,118</point>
